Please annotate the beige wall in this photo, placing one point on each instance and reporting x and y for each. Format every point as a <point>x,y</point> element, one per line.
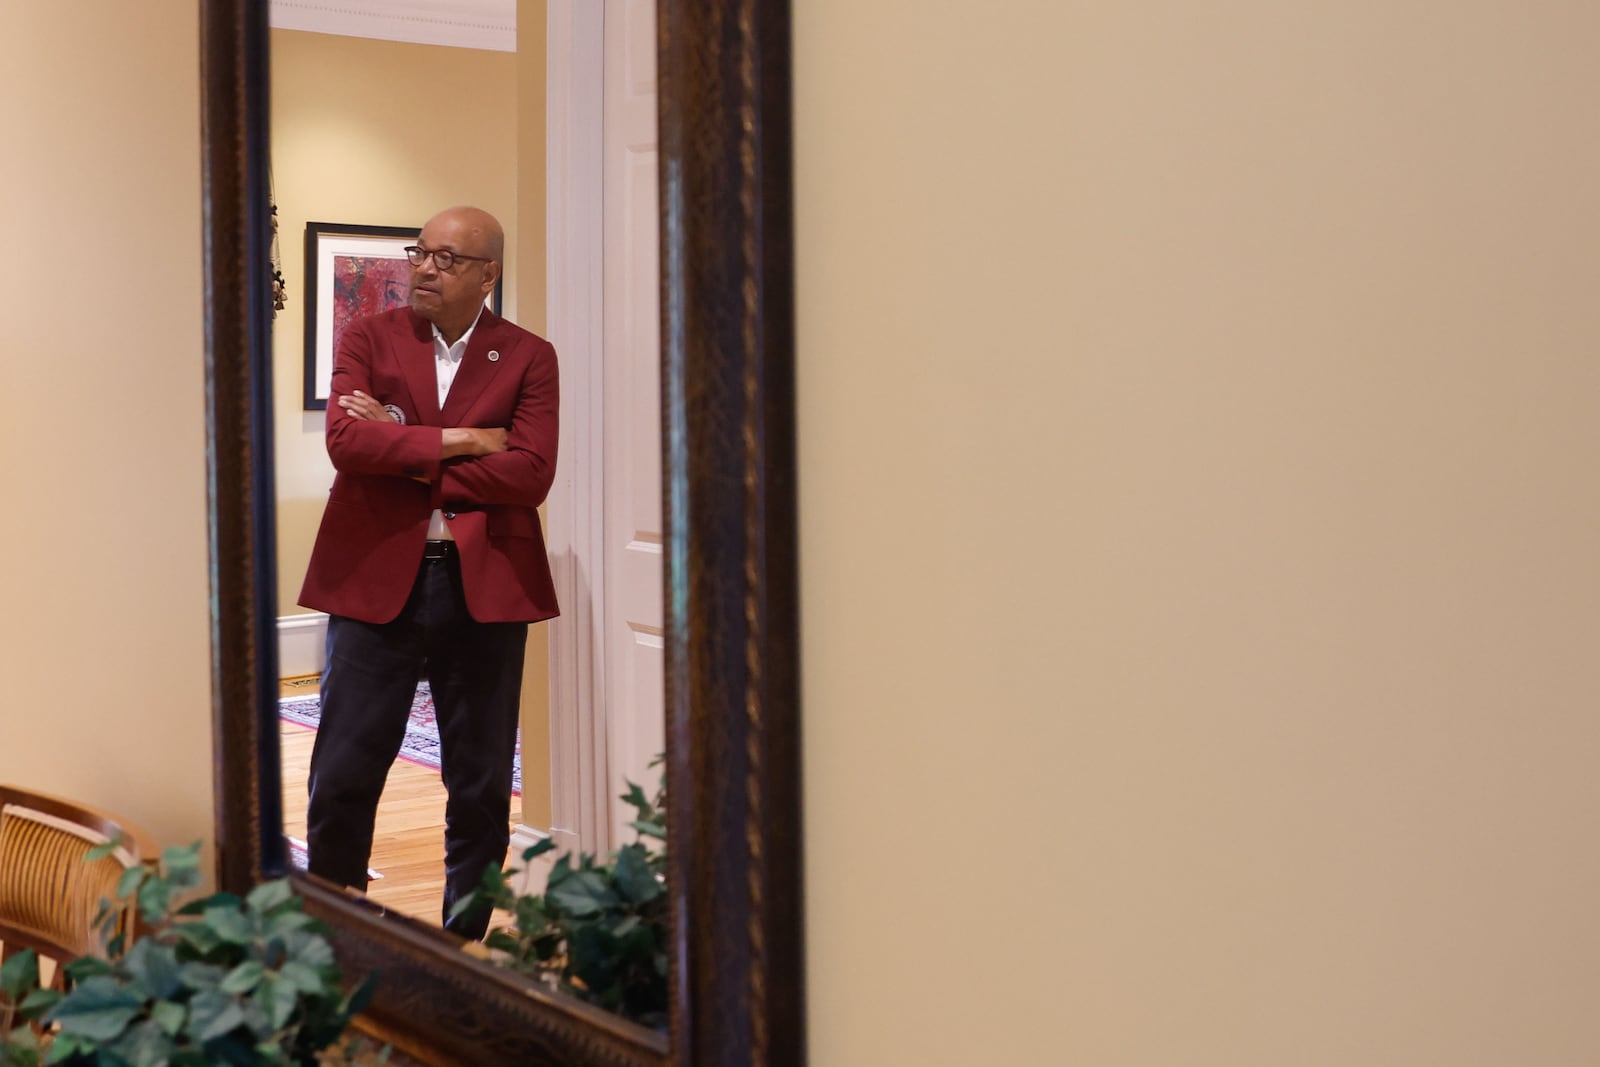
<point>532,43</point>
<point>1200,535</point>
<point>384,133</point>
<point>529,282</point>
<point>105,646</point>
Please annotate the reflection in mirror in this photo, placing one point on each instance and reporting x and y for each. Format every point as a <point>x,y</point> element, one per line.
<point>374,134</point>
<point>731,677</point>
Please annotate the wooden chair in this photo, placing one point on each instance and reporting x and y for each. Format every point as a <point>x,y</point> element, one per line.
<point>49,897</point>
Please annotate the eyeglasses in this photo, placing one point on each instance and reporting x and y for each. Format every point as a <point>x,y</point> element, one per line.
<point>443,258</point>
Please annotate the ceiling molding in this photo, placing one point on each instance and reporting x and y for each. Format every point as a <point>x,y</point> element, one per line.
<point>486,24</point>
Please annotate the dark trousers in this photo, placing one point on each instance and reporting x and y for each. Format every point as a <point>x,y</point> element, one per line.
<point>475,670</point>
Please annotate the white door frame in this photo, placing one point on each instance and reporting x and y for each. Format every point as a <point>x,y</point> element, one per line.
<point>579,775</point>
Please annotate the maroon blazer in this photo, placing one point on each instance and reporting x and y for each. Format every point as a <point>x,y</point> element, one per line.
<point>370,544</point>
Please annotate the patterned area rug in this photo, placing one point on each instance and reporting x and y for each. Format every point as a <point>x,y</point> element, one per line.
<point>421,744</point>
<point>301,858</point>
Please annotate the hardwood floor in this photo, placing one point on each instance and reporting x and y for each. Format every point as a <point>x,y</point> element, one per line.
<point>408,840</point>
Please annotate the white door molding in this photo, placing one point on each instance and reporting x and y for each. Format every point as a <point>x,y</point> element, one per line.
<point>635,656</point>
<point>575,223</point>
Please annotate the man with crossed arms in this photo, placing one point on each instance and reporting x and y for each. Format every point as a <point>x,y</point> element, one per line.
<point>430,560</point>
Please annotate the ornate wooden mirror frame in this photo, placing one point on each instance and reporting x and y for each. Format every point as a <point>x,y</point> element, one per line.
<point>731,617</point>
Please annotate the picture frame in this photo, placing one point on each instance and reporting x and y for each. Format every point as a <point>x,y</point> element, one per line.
<point>351,271</point>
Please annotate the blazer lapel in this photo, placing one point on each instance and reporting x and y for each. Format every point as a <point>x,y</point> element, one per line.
<point>414,347</point>
<point>477,370</point>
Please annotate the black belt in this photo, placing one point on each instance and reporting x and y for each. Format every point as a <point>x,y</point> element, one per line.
<point>438,550</point>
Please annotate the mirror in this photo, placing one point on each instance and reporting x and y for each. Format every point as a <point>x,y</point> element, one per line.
<point>540,142</point>
<point>729,587</point>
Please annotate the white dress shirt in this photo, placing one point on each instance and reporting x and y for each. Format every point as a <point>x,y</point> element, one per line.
<point>446,361</point>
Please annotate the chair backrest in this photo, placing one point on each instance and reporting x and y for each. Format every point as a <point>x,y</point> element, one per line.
<point>49,897</point>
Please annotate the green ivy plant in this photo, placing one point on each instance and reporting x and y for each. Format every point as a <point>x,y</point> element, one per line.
<point>220,980</point>
<point>599,930</point>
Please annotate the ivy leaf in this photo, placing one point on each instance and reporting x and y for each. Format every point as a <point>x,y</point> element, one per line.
<point>308,948</point>
<point>37,1003</point>
<point>19,974</point>
<point>655,828</point>
<point>289,918</point>
<point>130,880</point>
<point>269,895</point>
<point>360,996</point>
<point>153,968</point>
<point>86,967</point>
<point>538,848</point>
<point>198,936</point>
<point>499,939</point>
<point>634,878</point>
<point>583,894</point>
<point>303,977</point>
<point>277,998</point>
<point>201,977</point>
<point>293,919</point>
<point>215,900</point>
<point>530,914</point>
<point>65,1046</point>
<point>97,1007</point>
<point>177,858</point>
<point>492,881</point>
<point>168,1015</point>
<point>592,959</point>
<point>243,978</point>
<point>255,1020</point>
<point>146,1045</point>
<point>560,872</point>
<point>635,798</point>
<point>100,852</point>
<point>212,1014</point>
<point>230,924</point>
<point>155,897</point>
<point>115,946</point>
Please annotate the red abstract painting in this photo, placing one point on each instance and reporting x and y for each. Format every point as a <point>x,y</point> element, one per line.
<point>366,285</point>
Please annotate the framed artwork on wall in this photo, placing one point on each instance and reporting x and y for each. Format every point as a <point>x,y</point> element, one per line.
<point>351,271</point>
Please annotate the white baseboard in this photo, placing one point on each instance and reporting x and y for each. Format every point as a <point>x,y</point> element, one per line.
<point>535,873</point>
<point>302,644</point>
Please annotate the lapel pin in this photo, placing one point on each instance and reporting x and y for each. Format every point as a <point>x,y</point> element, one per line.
<point>494,355</point>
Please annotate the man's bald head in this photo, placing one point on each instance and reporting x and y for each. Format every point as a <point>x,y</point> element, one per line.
<point>451,299</point>
<point>481,227</point>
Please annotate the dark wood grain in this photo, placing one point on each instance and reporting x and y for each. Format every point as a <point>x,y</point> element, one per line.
<point>731,587</point>
<point>732,651</point>
<point>239,476</point>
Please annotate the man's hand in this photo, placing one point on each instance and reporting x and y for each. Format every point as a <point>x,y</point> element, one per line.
<point>472,441</point>
<point>360,405</point>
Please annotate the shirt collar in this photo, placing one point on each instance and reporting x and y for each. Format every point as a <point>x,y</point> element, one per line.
<point>456,351</point>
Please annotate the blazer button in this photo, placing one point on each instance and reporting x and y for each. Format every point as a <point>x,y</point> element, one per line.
<point>449,514</point>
